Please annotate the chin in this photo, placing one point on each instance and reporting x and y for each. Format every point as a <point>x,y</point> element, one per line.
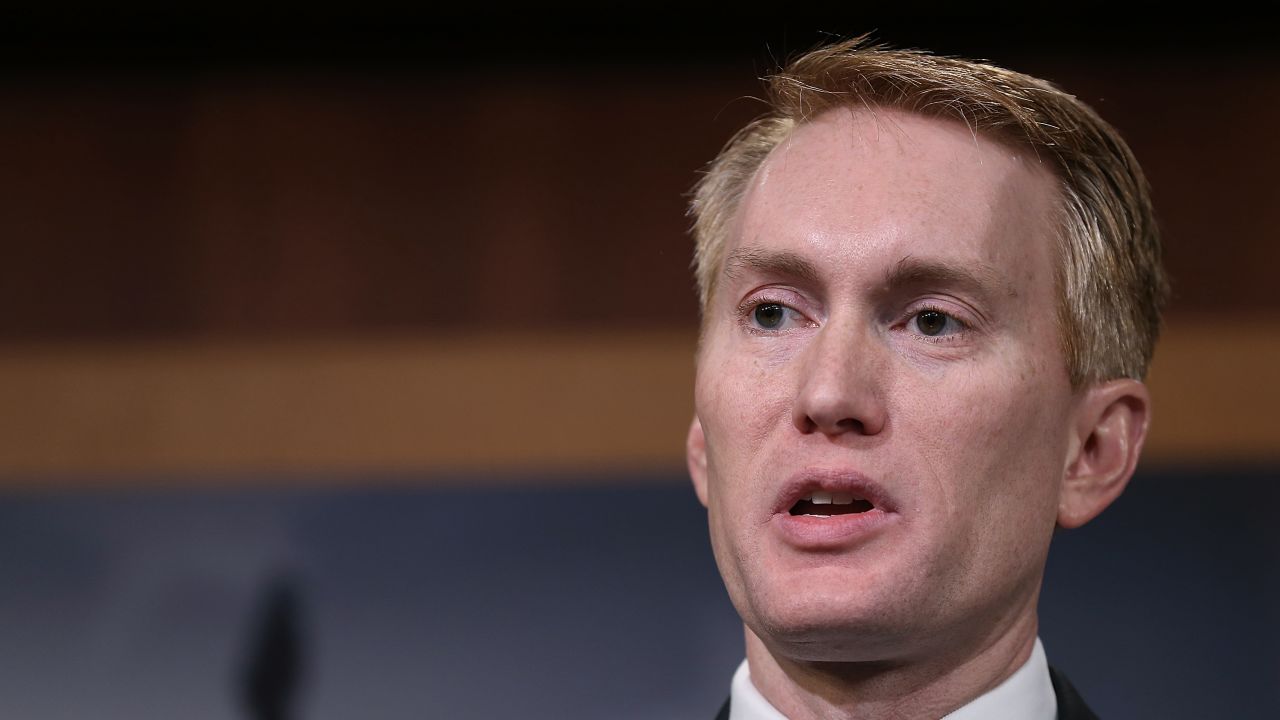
<point>823,625</point>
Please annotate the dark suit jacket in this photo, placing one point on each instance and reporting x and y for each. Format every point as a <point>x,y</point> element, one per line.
<point>1070,705</point>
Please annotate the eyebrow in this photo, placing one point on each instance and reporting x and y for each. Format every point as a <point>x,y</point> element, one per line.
<point>980,277</point>
<point>786,264</point>
<point>909,271</point>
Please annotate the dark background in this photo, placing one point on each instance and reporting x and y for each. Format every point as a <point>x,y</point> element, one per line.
<point>232,171</point>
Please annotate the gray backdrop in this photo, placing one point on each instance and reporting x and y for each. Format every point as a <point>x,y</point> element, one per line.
<point>561,601</point>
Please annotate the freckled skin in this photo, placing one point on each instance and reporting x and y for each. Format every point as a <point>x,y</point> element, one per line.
<point>969,435</point>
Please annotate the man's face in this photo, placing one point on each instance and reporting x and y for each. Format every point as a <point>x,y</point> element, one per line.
<point>883,334</point>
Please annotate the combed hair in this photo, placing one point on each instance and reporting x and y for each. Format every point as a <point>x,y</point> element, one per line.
<point>1111,285</point>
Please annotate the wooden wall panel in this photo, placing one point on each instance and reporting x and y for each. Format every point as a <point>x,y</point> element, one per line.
<point>302,205</point>
<point>250,206</point>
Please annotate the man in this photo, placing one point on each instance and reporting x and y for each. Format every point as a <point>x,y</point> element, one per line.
<point>930,290</point>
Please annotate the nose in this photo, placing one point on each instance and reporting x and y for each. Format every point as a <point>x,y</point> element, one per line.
<point>840,389</point>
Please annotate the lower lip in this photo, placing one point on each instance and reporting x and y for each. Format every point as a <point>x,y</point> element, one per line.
<point>835,532</point>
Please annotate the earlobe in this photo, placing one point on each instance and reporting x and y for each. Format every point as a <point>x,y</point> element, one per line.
<point>696,456</point>
<point>1111,425</point>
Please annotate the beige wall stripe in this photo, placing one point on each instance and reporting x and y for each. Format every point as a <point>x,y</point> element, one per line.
<point>510,404</point>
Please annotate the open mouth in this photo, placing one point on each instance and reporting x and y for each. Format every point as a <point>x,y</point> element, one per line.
<point>826,504</point>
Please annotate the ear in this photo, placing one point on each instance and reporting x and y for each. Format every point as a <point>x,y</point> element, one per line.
<point>695,451</point>
<point>1111,425</point>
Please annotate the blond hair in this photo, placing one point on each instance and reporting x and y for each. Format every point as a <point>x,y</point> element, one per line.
<point>1111,285</point>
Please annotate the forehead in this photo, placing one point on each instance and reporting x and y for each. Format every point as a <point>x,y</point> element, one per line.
<point>855,185</point>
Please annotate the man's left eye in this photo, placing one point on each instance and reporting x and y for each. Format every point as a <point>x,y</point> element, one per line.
<point>769,316</point>
<point>935,323</point>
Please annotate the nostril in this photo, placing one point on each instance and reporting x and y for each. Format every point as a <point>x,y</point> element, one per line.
<point>808,424</point>
<point>851,425</point>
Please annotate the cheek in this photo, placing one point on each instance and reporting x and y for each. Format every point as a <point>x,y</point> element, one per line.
<point>740,401</point>
<point>992,449</point>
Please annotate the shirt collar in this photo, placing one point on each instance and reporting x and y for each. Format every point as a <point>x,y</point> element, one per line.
<point>746,702</point>
<point>1027,694</point>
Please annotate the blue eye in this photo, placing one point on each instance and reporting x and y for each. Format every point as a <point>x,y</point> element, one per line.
<point>769,316</point>
<point>934,323</point>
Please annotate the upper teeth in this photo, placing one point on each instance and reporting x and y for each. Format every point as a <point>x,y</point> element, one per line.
<point>826,498</point>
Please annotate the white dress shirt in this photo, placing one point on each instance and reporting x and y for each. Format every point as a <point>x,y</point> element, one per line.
<point>1027,694</point>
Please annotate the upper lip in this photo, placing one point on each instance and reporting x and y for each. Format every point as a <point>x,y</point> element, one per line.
<point>810,480</point>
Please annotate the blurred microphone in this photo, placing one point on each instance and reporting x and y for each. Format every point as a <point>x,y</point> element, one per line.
<point>273,667</point>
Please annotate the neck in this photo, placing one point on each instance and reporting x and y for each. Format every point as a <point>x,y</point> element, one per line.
<point>930,684</point>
